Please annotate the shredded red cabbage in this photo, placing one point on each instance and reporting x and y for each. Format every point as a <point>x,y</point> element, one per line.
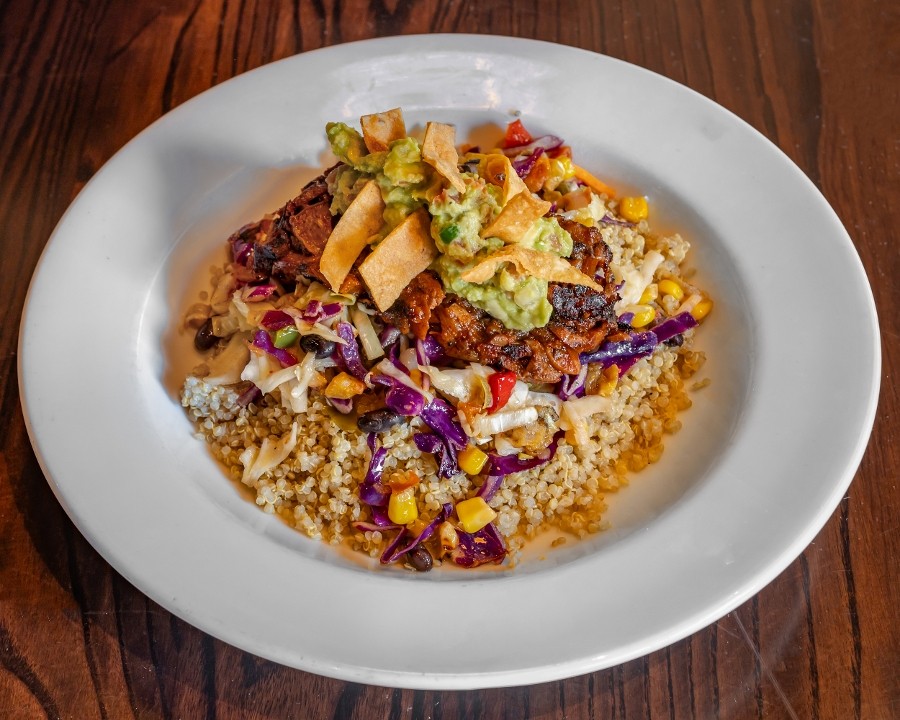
<point>489,487</point>
<point>315,311</point>
<point>448,464</point>
<point>506,464</point>
<point>441,418</point>
<point>572,385</point>
<point>484,546</point>
<point>248,395</point>
<point>258,293</point>
<point>616,353</point>
<point>626,353</point>
<point>429,351</point>
<point>371,491</point>
<point>625,364</point>
<point>391,552</point>
<point>380,516</point>
<point>523,164</point>
<point>544,142</point>
<point>380,521</point>
<point>341,405</point>
<point>404,400</point>
<point>364,526</point>
<point>241,252</point>
<point>388,336</point>
<point>405,541</point>
<point>349,350</point>
<point>263,341</point>
<point>276,319</point>
<point>393,355</point>
<point>400,398</point>
<point>673,326</point>
<point>610,220</point>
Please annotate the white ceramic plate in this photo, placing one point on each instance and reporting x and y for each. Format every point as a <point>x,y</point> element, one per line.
<point>766,453</point>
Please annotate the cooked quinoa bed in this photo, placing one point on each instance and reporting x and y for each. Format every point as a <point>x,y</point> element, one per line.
<point>315,489</point>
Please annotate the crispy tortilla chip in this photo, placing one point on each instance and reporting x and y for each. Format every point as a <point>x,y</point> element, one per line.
<point>381,129</point>
<point>403,254</point>
<point>535,263</point>
<point>360,222</point>
<point>439,151</point>
<point>517,217</point>
<point>497,169</point>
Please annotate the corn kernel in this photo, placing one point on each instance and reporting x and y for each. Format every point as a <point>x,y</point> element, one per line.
<point>344,387</point>
<point>672,288</point>
<point>474,514</point>
<point>634,209</point>
<point>561,168</point>
<point>472,460</point>
<point>701,309</point>
<point>402,508</point>
<point>650,294</point>
<point>643,316</point>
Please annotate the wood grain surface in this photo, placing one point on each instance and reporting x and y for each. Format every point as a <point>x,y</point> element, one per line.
<point>820,78</point>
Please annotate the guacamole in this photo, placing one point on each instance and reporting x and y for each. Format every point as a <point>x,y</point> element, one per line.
<point>518,302</point>
<point>457,219</point>
<point>406,181</point>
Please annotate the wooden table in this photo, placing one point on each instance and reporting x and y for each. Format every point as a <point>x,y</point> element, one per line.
<point>820,78</point>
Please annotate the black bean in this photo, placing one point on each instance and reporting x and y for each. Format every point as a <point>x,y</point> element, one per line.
<point>377,421</point>
<point>204,339</point>
<point>318,345</point>
<point>675,341</point>
<point>420,559</point>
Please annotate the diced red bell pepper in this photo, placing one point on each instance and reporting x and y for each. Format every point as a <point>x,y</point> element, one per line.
<point>516,135</point>
<point>501,385</point>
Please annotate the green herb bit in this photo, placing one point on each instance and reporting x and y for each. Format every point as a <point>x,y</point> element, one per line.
<point>450,233</point>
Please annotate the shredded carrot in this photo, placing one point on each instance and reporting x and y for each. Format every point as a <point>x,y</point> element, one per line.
<point>595,184</point>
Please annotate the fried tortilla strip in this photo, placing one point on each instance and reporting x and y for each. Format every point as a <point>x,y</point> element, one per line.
<point>544,265</point>
<point>517,217</point>
<point>497,169</point>
<point>381,129</point>
<point>396,260</point>
<point>361,221</point>
<point>439,151</point>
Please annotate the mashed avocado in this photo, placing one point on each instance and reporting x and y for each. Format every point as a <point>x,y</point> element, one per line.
<point>457,219</point>
<point>546,235</point>
<point>406,181</point>
<point>520,303</point>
